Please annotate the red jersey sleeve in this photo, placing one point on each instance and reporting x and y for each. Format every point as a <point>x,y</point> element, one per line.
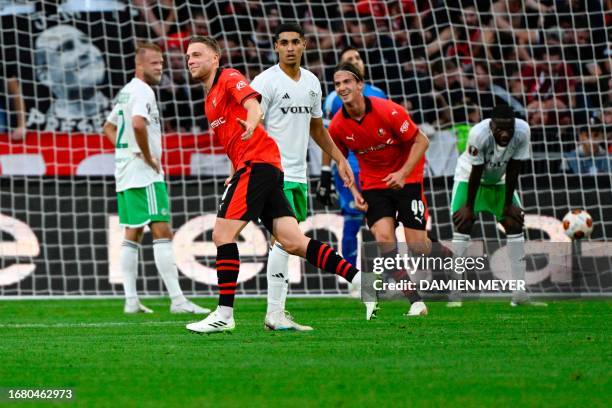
<point>238,86</point>
<point>403,127</point>
<point>333,133</point>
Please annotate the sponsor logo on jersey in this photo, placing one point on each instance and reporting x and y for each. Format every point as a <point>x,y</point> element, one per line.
<point>217,122</point>
<point>296,109</point>
<point>240,85</point>
<point>473,150</point>
<point>286,96</point>
<point>312,94</point>
<point>351,137</point>
<point>404,127</point>
<point>393,112</point>
<point>381,132</point>
<point>372,149</point>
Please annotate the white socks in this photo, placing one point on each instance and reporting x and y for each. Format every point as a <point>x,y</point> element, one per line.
<point>516,255</point>
<point>129,268</point>
<point>278,278</point>
<point>164,261</point>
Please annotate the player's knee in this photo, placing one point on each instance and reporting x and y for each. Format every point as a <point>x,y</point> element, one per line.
<point>161,230</point>
<point>134,234</point>
<point>512,227</point>
<point>290,245</point>
<point>384,236</point>
<point>220,237</point>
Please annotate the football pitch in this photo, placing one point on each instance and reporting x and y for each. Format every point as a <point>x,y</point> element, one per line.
<point>483,354</point>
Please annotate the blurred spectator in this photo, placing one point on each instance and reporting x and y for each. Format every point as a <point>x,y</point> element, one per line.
<point>12,106</point>
<point>520,19</point>
<point>417,89</point>
<point>158,19</point>
<point>590,157</point>
<point>176,94</point>
<point>550,85</point>
<point>449,92</point>
<point>464,39</point>
<point>380,53</point>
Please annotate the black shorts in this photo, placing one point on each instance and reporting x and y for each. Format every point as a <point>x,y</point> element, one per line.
<point>407,206</point>
<point>255,192</point>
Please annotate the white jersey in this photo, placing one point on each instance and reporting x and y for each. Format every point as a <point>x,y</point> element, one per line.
<point>482,149</point>
<point>288,106</point>
<point>135,99</point>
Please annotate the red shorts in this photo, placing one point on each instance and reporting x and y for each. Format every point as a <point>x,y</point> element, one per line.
<point>255,192</point>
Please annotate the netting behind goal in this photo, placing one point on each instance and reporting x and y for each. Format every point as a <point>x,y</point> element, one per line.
<point>448,63</point>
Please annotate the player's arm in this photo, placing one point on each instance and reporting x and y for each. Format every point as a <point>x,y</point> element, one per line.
<point>110,131</point>
<point>14,89</point>
<point>397,179</point>
<point>254,116</point>
<point>406,131</point>
<point>320,135</point>
<point>141,134</point>
<point>360,203</point>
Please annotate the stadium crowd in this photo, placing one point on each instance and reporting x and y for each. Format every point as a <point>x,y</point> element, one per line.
<point>447,62</point>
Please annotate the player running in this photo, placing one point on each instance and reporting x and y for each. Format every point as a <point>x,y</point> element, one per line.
<point>133,126</point>
<point>486,178</point>
<point>291,103</point>
<point>353,218</point>
<point>256,189</point>
<point>390,150</point>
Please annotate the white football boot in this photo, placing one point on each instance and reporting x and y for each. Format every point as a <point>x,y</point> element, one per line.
<point>134,306</point>
<point>521,298</point>
<point>213,323</point>
<point>371,310</point>
<point>417,309</point>
<point>187,307</point>
<point>282,320</point>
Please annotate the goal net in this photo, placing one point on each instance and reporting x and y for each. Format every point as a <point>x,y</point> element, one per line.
<point>447,62</point>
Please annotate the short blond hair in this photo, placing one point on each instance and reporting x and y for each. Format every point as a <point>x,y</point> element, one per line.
<point>142,47</point>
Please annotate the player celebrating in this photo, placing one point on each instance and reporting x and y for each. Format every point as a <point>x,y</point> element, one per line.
<point>256,189</point>
<point>141,190</point>
<point>353,218</point>
<point>291,103</point>
<point>390,149</point>
<point>486,178</point>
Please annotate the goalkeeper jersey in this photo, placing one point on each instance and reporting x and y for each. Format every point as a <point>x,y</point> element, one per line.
<point>135,99</point>
<point>482,149</point>
<point>288,107</point>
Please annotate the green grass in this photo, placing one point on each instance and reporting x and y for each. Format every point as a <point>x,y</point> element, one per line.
<point>484,354</point>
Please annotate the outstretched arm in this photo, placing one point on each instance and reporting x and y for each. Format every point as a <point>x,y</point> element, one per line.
<point>321,136</point>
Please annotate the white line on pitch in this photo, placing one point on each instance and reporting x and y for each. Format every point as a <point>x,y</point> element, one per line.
<point>85,325</point>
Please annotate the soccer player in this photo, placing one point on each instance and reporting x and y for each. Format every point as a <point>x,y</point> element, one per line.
<point>486,178</point>
<point>133,126</point>
<point>256,189</point>
<point>291,103</point>
<point>353,218</point>
<point>390,150</point>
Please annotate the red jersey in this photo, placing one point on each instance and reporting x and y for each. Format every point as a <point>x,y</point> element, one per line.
<point>381,141</point>
<point>222,106</point>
